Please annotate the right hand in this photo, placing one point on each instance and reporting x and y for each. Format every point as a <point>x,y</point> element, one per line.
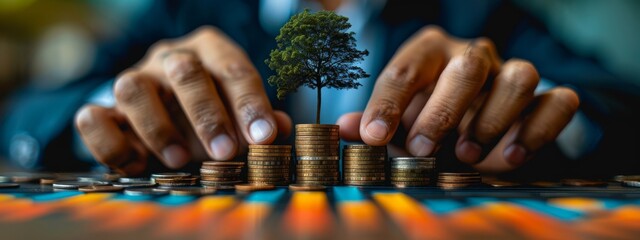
<point>203,76</point>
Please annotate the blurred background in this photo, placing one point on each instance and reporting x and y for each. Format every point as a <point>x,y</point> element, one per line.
<point>45,43</point>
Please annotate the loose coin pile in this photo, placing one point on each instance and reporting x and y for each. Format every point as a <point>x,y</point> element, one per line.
<point>453,180</point>
<point>364,165</point>
<point>317,154</point>
<point>412,171</point>
<point>220,174</point>
<point>269,164</point>
<point>174,179</point>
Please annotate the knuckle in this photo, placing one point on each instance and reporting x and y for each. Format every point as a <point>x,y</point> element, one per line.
<point>248,104</point>
<point>387,109</point>
<point>443,119</point>
<point>400,77</point>
<point>238,70</point>
<point>208,119</point>
<point>160,46</point>
<point>485,44</point>
<point>521,78</point>
<point>156,133</point>
<point>568,98</point>
<point>207,31</point>
<point>488,129</point>
<point>128,87</point>
<point>85,118</point>
<point>184,69</point>
<point>432,32</point>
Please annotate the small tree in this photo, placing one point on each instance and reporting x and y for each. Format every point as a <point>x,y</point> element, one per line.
<point>315,50</point>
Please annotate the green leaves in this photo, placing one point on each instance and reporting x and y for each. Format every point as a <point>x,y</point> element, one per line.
<point>315,50</point>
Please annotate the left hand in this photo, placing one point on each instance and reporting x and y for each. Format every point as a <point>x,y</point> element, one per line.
<point>434,84</point>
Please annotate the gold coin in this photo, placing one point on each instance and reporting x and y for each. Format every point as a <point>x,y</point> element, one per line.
<point>254,146</point>
<point>361,150</point>
<point>306,187</point>
<point>253,187</point>
<point>326,183</point>
<point>364,183</point>
<point>374,170</point>
<point>318,137</point>
<point>349,178</point>
<point>312,167</point>
<point>305,178</point>
<point>318,133</point>
<point>98,188</point>
<point>315,126</point>
<point>317,162</point>
<point>222,164</point>
<point>363,174</point>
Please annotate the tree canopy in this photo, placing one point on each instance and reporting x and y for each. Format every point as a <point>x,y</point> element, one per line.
<point>315,50</point>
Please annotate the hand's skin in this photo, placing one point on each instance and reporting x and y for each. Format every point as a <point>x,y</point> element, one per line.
<point>433,85</point>
<point>203,76</point>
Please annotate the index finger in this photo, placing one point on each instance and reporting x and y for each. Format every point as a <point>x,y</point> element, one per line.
<point>415,65</point>
<point>241,85</point>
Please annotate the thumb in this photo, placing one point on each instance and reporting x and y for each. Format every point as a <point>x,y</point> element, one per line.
<point>350,126</point>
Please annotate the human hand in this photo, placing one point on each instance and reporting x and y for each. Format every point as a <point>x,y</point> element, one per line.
<point>436,83</point>
<point>203,76</point>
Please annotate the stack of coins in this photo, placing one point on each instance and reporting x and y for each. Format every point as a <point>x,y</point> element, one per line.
<point>174,179</point>
<point>412,171</point>
<point>452,180</point>
<point>364,165</point>
<point>217,174</point>
<point>269,164</point>
<point>317,154</point>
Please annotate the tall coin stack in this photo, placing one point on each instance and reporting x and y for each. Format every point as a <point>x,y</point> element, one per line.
<point>269,164</point>
<point>364,165</point>
<point>412,171</point>
<point>452,180</point>
<point>219,174</point>
<point>317,154</point>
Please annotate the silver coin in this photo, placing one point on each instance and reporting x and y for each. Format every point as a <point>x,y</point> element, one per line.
<point>135,184</point>
<point>171,175</point>
<point>133,180</point>
<point>146,192</point>
<point>5,179</point>
<point>77,184</point>
<point>631,183</point>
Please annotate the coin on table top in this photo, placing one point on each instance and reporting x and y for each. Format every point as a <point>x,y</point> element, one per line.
<point>631,183</point>
<point>9,185</point>
<point>135,184</point>
<point>192,191</point>
<point>76,184</point>
<point>131,180</point>
<point>97,188</point>
<point>146,191</point>
<point>584,183</point>
<point>254,187</point>
<point>171,175</point>
<point>306,187</point>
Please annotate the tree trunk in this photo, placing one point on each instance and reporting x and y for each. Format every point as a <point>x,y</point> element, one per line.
<point>319,104</point>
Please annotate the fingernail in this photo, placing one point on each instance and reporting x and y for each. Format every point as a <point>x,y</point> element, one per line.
<point>515,154</point>
<point>260,130</point>
<point>175,155</point>
<point>421,146</point>
<point>377,129</point>
<point>222,147</point>
<point>469,151</point>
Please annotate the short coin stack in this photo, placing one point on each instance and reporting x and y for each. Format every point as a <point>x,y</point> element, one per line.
<point>220,174</point>
<point>364,165</point>
<point>453,180</point>
<point>269,164</point>
<point>317,154</point>
<point>174,179</point>
<point>412,171</point>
